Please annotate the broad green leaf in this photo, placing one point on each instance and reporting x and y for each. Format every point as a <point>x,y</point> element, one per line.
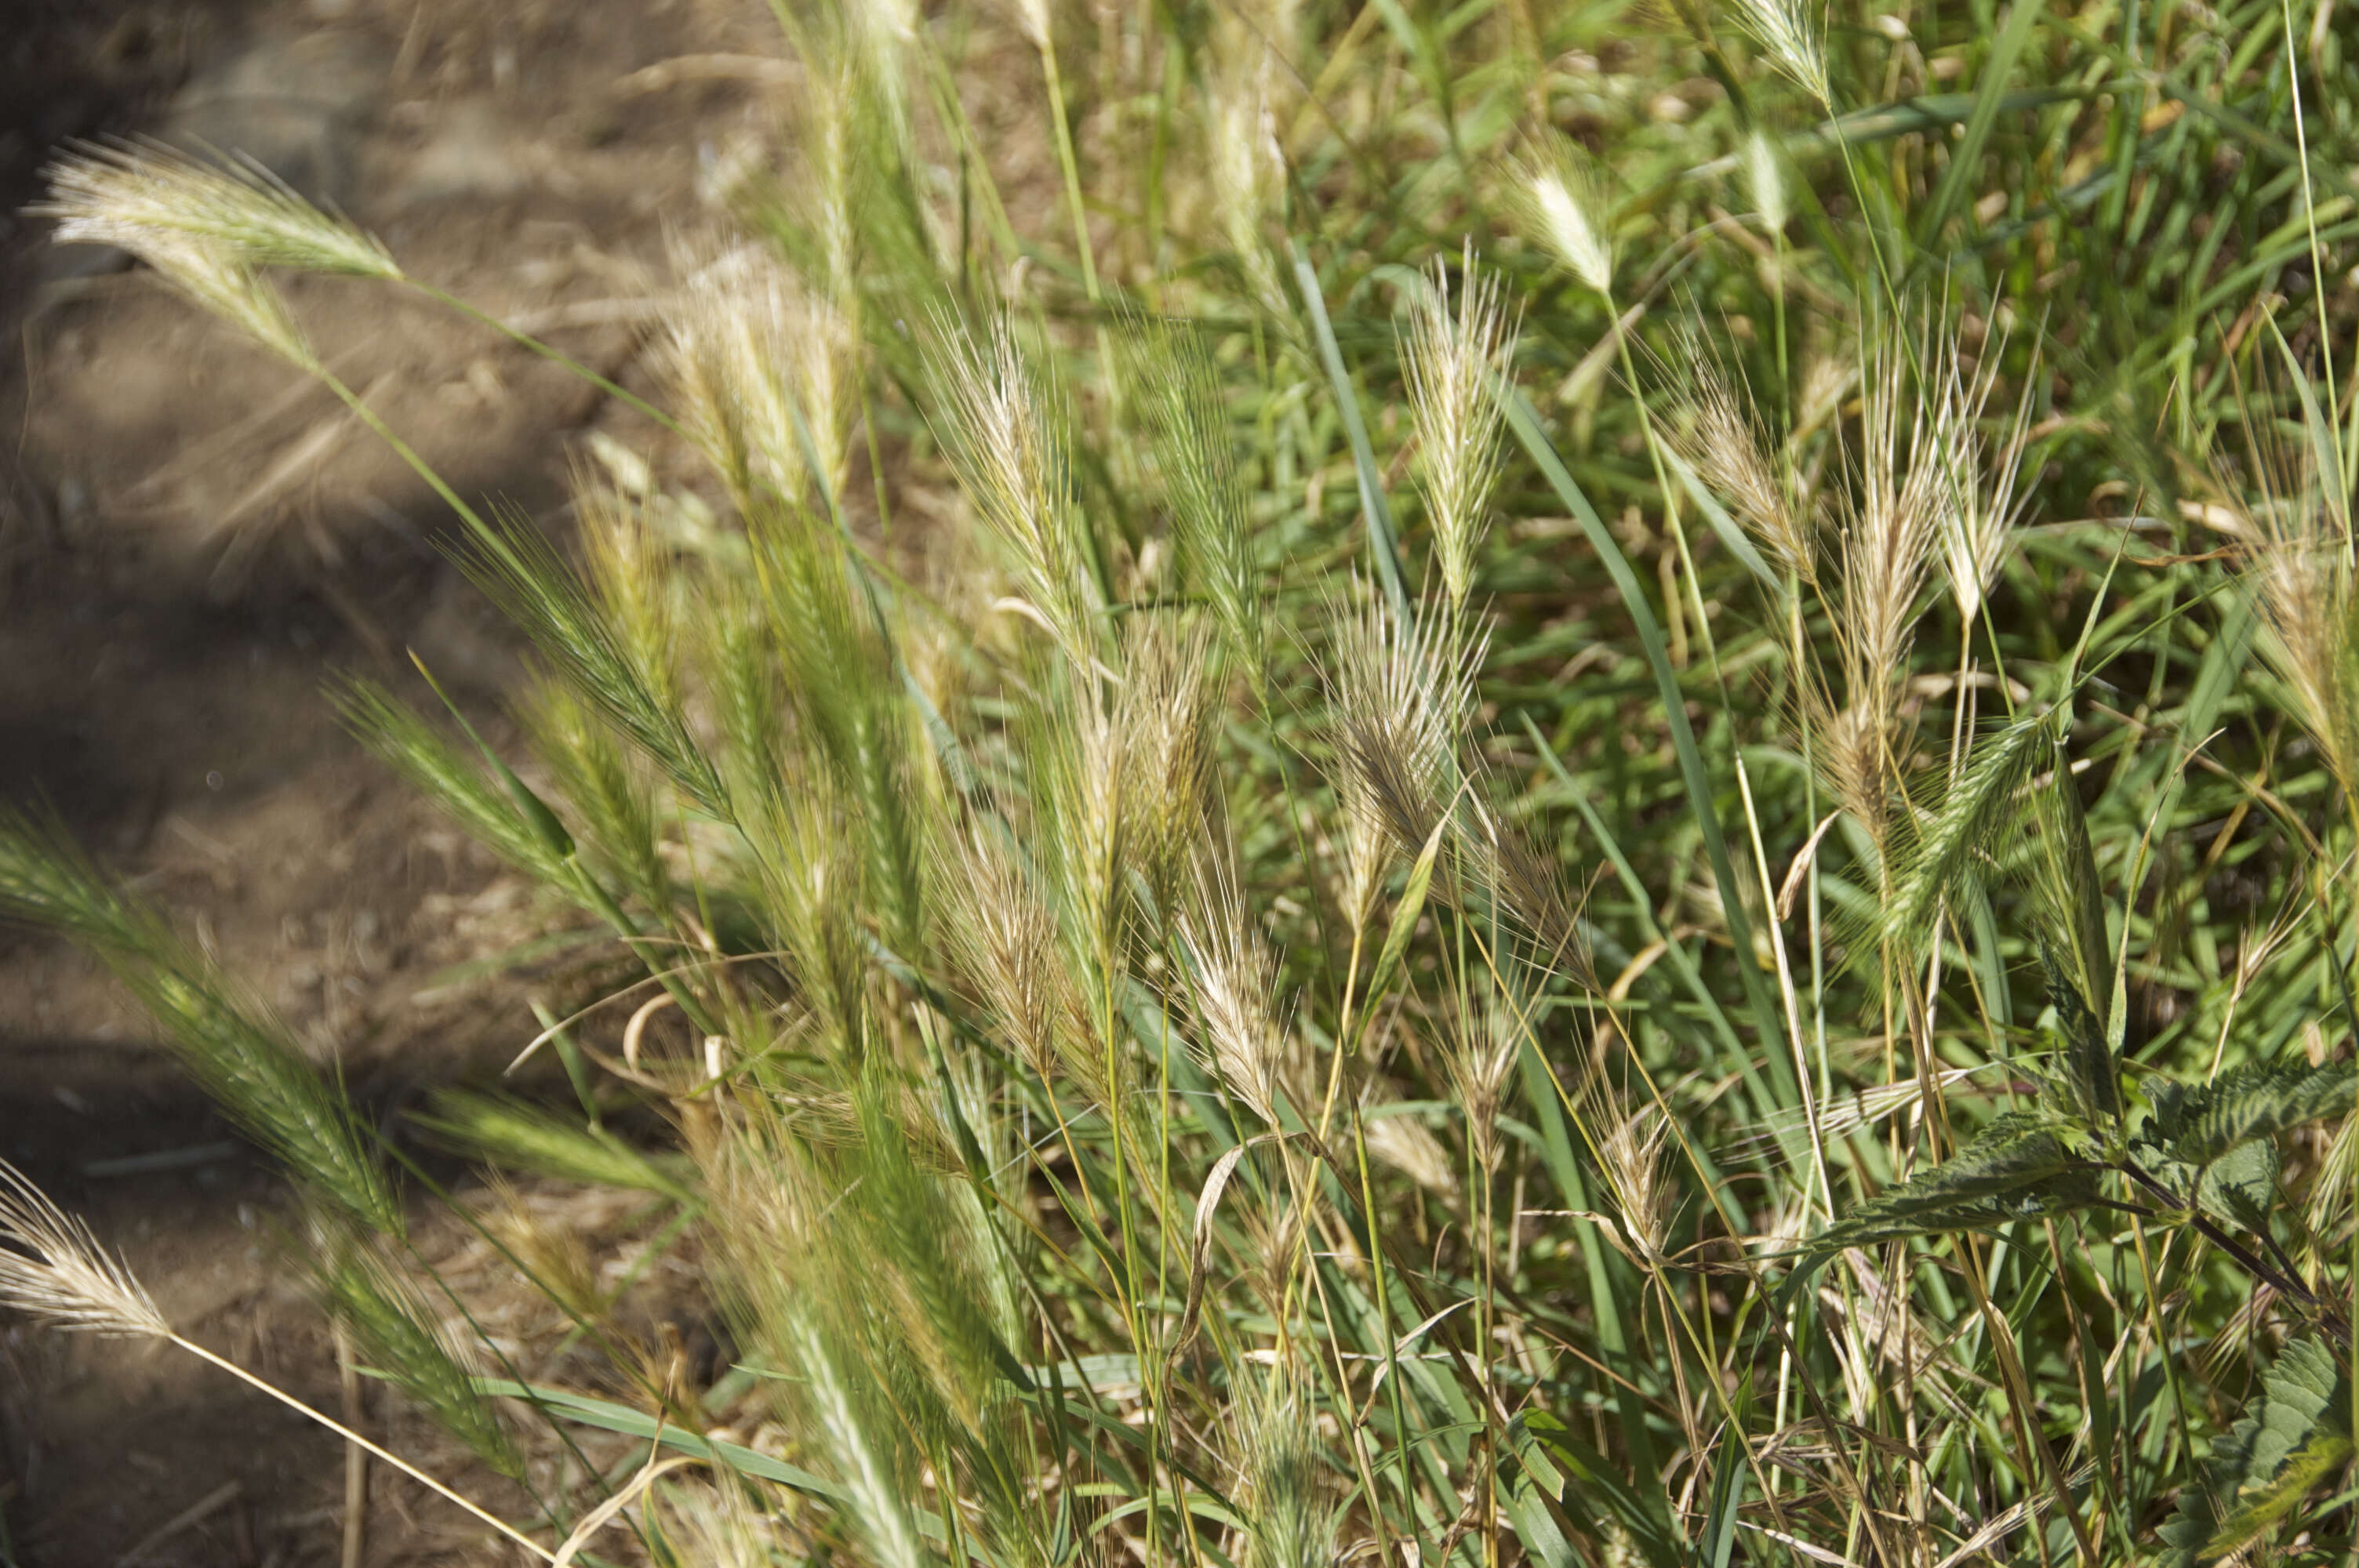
<point>2259,1507</point>
<point>1582,1479</point>
<point>1729,1476</point>
<point>2297,1390</point>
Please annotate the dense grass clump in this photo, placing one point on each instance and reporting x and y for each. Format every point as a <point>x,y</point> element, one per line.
<point>1564,792</point>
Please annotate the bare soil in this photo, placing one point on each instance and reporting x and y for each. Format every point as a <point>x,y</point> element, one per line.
<point>193,542</point>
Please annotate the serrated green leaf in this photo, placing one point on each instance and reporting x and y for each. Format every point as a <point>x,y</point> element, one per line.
<point>2021,1166</point>
<point>2296,1391</point>
<point>2241,1186</point>
<point>2259,1507</point>
<point>2295,1432</point>
<point>2090,1076</point>
<point>2198,1125</point>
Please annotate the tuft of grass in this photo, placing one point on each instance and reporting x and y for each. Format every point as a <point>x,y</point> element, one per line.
<point>1181,1054</point>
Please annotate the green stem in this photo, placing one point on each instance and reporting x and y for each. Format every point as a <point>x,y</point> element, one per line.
<point>549,351</point>
<point>1072,169</point>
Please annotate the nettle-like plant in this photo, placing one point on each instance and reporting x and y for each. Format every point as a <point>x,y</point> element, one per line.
<point>2090,1137</point>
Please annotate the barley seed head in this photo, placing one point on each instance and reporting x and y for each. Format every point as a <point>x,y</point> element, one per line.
<point>1564,202</point>
<point>1235,990</point>
<point>1975,488</point>
<point>1723,441</point>
<point>1164,713</point>
<point>2302,566</point>
<point>1451,356</point>
<point>747,351</point>
<point>1403,1142</point>
<point>1038,23</point>
<point>1001,423</point>
<point>1888,542</point>
<point>53,1269</point>
<point>1766,181</point>
<point>1246,164</point>
<point>1401,692</point>
<point>1633,1156</point>
<point>126,195</point>
<point>1790,36</point>
<point>212,276</point>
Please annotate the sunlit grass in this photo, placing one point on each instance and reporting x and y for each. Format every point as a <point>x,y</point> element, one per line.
<point>1281,977</point>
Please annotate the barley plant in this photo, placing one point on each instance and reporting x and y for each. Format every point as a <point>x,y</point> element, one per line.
<point>1498,787</point>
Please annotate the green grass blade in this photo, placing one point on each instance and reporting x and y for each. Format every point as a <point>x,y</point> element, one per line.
<point>1966,153</point>
<point>1525,421</point>
<point>608,1416</point>
<point>1383,541</point>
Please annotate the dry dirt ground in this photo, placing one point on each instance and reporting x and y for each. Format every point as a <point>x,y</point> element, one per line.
<point>192,542</point>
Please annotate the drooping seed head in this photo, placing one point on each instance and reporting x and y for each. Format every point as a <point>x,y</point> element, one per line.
<point>53,1269</point>
<point>129,195</point>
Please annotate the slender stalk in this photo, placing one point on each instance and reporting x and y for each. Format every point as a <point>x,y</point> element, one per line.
<point>1663,487</point>
<point>355,1523</point>
<point>1072,167</point>
<point>2310,221</point>
<point>356,1440</point>
<point>546,350</point>
<point>1786,992</point>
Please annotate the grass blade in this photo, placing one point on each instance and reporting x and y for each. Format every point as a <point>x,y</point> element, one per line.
<point>1525,421</point>
<point>1383,541</point>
